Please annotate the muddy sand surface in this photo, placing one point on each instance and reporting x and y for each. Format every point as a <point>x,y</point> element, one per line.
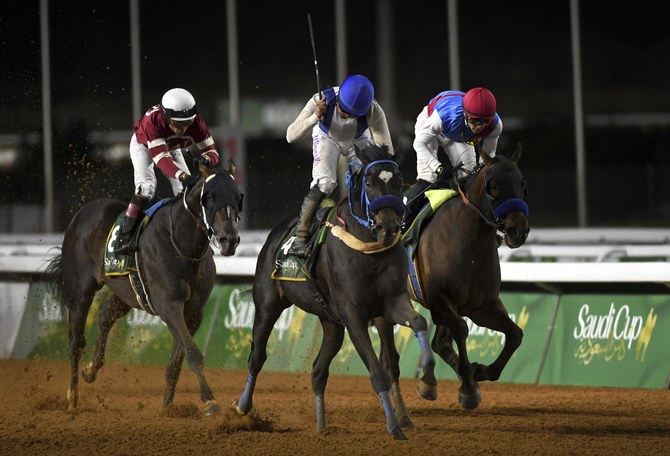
<point>121,413</point>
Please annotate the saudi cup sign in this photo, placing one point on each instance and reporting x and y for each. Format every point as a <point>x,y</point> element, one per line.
<point>609,340</point>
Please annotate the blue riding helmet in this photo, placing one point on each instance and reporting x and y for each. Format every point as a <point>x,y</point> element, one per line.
<point>356,94</point>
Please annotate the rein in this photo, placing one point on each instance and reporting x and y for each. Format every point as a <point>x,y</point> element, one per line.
<point>497,223</point>
<point>180,251</point>
<point>199,225</point>
<point>510,205</point>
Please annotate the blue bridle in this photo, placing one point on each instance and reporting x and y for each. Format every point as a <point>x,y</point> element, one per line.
<point>378,203</point>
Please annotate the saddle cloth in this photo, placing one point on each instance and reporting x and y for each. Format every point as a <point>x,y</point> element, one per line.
<point>436,198</point>
<point>294,268</point>
<point>119,264</point>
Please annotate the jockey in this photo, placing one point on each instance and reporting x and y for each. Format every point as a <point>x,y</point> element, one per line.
<point>161,135</point>
<point>339,119</point>
<point>458,122</point>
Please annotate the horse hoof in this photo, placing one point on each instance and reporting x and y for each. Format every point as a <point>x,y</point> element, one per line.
<point>88,373</point>
<point>212,408</point>
<point>426,391</point>
<point>238,410</point>
<point>397,433</point>
<point>406,423</point>
<point>471,401</point>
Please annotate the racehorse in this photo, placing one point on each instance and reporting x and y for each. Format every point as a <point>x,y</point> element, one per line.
<point>459,269</point>
<point>359,275</point>
<point>176,265</point>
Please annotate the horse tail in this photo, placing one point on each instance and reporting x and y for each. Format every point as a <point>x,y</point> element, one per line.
<point>53,276</point>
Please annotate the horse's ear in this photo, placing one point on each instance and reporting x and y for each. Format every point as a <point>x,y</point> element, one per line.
<point>232,167</point>
<point>516,156</point>
<point>389,155</point>
<point>486,158</point>
<point>398,153</point>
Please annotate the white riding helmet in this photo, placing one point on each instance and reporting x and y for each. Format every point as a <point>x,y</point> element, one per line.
<point>178,104</point>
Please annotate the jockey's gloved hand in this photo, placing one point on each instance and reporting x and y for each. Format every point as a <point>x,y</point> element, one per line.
<point>204,160</point>
<point>187,180</point>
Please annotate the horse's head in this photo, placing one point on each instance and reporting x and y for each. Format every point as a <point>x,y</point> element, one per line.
<point>375,193</point>
<point>506,191</point>
<point>221,203</point>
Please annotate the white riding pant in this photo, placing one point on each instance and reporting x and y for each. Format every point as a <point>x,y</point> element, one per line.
<point>144,173</point>
<point>326,152</point>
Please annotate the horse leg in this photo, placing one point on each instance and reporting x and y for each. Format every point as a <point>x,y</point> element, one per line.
<point>182,334</point>
<point>110,312</point>
<point>268,309</point>
<point>381,383</point>
<point>172,373</point>
<point>402,313</point>
<point>78,298</point>
<point>333,337</point>
<point>390,360</point>
<point>469,395</point>
<point>442,344</point>
<point>496,318</point>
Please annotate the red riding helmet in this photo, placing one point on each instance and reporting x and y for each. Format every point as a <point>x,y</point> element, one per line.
<point>479,103</point>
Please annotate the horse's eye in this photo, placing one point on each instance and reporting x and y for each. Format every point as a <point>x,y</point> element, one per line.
<point>492,187</point>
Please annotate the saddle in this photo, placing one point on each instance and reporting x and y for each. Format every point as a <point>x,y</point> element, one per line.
<point>436,198</point>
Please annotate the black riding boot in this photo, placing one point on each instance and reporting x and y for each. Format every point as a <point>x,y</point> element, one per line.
<point>309,206</point>
<point>134,213</point>
<point>414,200</point>
<point>123,244</point>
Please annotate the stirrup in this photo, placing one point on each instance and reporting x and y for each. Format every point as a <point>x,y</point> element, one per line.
<point>125,248</point>
<point>300,249</point>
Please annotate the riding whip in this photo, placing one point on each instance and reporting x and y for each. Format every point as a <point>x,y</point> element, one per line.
<point>316,64</point>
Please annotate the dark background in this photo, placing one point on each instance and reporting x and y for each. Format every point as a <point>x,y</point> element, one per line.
<point>519,50</point>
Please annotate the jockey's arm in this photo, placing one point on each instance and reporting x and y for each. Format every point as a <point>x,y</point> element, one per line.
<point>304,122</point>
<point>490,143</point>
<point>426,142</point>
<point>378,126</point>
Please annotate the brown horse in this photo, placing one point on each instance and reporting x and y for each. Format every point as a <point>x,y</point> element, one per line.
<point>174,260</point>
<point>459,269</point>
<point>359,276</point>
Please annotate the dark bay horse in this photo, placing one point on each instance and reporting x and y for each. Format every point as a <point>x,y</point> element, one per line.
<point>459,269</point>
<point>174,260</point>
<point>360,274</point>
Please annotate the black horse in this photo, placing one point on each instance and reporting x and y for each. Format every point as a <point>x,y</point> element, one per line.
<point>359,275</point>
<point>174,260</point>
<point>459,269</point>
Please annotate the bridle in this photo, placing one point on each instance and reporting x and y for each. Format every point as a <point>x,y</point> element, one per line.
<point>496,213</point>
<point>204,220</point>
<point>370,206</point>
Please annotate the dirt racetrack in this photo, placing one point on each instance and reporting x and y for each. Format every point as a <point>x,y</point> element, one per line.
<point>121,414</point>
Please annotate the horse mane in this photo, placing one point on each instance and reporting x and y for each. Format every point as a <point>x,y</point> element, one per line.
<point>373,152</point>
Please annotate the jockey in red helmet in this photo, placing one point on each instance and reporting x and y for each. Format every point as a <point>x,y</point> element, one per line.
<point>457,122</point>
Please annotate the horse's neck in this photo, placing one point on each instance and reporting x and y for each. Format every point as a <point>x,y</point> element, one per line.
<point>472,228</point>
<point>186,223</point>
<point>353,225</point>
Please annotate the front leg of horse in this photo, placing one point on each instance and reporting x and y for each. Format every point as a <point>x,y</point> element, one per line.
<point>380,379</point>
<point>390,360</point>
<point>407,316</point>
<point>196,363</point>
<point>513,337</point>
<point>469,395</point>
<point>172,373</point>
